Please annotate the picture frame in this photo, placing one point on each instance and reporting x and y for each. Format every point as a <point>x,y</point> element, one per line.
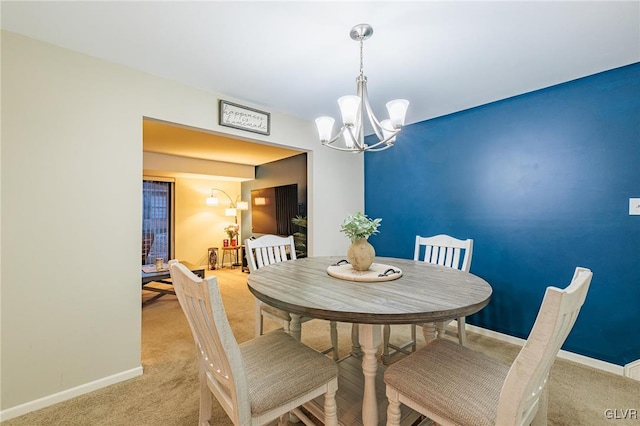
<point>244,118</point>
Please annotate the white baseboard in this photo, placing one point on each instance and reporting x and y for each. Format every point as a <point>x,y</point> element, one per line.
<point>630,370</point>
<point>46,401</point>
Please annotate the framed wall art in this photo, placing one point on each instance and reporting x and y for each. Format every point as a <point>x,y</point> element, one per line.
<point>244,118</point>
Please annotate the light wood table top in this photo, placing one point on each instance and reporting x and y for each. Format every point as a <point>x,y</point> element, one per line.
<point>424,293</point>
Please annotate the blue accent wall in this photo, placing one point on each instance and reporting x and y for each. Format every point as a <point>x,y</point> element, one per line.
<point>542,183</point>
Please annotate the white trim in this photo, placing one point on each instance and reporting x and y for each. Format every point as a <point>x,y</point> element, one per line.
<point>592,362</point>
<point>48,400</point>
<point>632,370</point>
<point>580,359</point>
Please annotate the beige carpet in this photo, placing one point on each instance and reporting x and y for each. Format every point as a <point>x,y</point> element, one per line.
<point>167,392</point>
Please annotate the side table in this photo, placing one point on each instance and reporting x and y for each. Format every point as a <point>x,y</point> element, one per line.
<point>233,251</point>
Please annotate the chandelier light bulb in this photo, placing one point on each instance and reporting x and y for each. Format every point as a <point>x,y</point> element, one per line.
<point>349,107</point>
<point>348,140</point>
<point>397,112</point>
<point>325,127</point>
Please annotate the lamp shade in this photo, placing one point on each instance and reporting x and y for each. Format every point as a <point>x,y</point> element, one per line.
<point>242,205</point>
<point>349,108</point>
<point>325,127</point>
<point>212,201</point>
<point>397,112</point>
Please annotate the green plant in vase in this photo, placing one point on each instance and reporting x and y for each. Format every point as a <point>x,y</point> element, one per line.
<point>358,227</point>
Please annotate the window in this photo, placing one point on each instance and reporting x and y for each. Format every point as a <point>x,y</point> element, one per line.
<point>157,213</point>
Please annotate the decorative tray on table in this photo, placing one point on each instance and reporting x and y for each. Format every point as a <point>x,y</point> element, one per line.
<point>376,272</point>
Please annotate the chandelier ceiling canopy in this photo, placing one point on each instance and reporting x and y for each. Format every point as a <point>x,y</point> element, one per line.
<point>353,108</point>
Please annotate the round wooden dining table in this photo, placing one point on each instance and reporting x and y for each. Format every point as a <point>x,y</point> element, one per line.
<point>423,294</point>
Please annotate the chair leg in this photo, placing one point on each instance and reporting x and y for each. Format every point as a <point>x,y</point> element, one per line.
<point>282,420</point>
<point>330,406</point>
<point>206,397</point>
<point>405,348</point>
<point>386,335</point>
<point>440,329</point>
<point>355,341</point>
<point>414,346</point>
<point>258,315</point>
<point>540,418</point>
<point>462,333</point>
<point>334,339</point>
<point>393,409</point>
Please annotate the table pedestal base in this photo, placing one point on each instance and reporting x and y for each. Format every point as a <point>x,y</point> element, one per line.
<point>350,385</point>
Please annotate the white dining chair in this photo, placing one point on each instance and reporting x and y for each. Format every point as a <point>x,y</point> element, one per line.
<point>256,382</point>
<point>454,385</point>
<point>266,250</point>
<point>442,250</point>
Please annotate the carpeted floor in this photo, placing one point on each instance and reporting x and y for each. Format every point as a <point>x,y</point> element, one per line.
<point>167,393</point>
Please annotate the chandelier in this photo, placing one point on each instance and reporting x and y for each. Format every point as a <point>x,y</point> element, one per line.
<point>353,109</point>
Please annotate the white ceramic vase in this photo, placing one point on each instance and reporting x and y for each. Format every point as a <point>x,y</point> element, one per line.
<point>360,254</point>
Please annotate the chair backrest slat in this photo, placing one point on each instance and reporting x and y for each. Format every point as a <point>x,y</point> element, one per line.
<point>527,377</point>
<point>269,249</point>
<point>444,250</point>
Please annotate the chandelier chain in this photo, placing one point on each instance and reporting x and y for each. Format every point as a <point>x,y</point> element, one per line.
<point>361,57</point>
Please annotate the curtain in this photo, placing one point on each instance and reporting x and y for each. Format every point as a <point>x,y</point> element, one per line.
<point>286,208</point>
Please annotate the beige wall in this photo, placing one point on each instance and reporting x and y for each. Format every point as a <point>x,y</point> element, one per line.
<point>71,213</point>
<point>199,226</point>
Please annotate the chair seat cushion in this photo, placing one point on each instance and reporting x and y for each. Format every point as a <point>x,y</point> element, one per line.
<point>451,381</point>
<point>280,369</point>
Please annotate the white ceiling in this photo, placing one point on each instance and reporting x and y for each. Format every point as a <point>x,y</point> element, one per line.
<point>297,57</point>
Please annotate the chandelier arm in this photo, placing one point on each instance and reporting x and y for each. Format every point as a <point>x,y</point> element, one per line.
<point>357,138</point>
<point>386,140</point>
<point>336,137</point>
<point>375,123</point>
<point>354,149</point>
<point>387,146</point>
